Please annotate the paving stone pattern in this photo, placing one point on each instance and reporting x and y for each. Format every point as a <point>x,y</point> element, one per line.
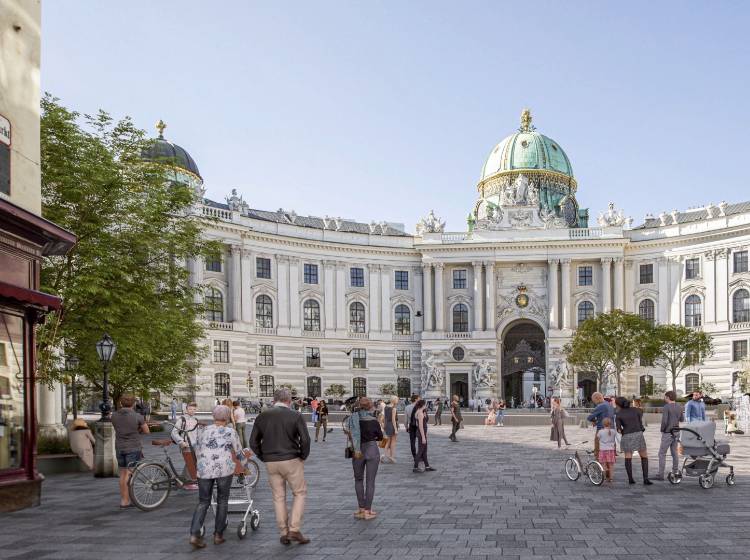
<point>498,492</point>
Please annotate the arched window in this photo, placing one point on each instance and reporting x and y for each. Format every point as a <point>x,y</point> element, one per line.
<point>357,317</point>
<point>460,318</point>
<point>221,384</point>
<point>403,319</point>
<point>741,306</point>
<point>404,387</point>
<point>646,310</point>
<point>359,387</point>
<point>214,305</point>
<point>313,386</point>
<point>266,386</point>
<point>585,311</point>
<point>693,311</point>
<point>692,381</point>
<point>646,385</point>
<point>264,312</point>
<point>312,315</point>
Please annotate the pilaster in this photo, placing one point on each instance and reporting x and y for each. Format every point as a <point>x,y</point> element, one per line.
<point>427,297</point>
<point>565,292</point>
<point>606,289</point>
<point>386,278</point>
<point>439,298</point>
<point>489,308</point>
<point>618,284</point>
<point>236,282</point>
<point>374,278</point>
<point>552,293</point>
<point>246,284</point>
<point>478,289</point>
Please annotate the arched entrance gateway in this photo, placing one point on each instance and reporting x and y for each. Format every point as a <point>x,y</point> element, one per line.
<point>523,362</point>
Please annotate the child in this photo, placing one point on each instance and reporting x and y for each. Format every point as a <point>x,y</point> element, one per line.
<point>732,427</point>
<point>606,438</point>
<point>490,420</point>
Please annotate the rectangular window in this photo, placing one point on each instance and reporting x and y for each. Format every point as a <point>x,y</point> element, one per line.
<point>403,359</point>
<point>221,351</point>
<point>263,268</point>
<point>740,261</point>
<point>647,274</point>
<point>265,355</point>
<point>359,358</point>
<point>402,279</point>
<point>312,357</point>
<point>459,279</point>
<point>692,269</point>
<point>311,273</point>
<point>213,263</point>
<point>739,350</point>
<point>357,277</point>
<point>4,168</point>
<point>585,276</point>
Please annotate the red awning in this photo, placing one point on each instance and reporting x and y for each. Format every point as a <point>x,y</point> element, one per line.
<point>29,297</point>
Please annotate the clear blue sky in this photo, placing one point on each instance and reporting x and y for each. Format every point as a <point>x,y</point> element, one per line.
<point>384,110</point>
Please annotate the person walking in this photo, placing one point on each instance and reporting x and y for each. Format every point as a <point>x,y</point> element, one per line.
<point>240,421</point>
<point>365,429</point>
<point>438,412</point>
<point>314,410</point>
<point>322,422</point>
<point>456,418</point>
<point>173,411</point>
<point>671,416</point>
<point>557,417</point>
<point>500,413</point>
<point>408,425</point>
<point>82,442</point>
<point>420,422</point>
<point>630,425</point>
<point>695,409</point>
<point>128,425</point>
<point>183,434</point>
<point>218,449</point>
<point>280,439</point>
<point>391,430</point>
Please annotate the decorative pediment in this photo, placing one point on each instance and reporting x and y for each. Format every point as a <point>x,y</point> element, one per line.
<point>361,297</point>
<point>585,295</point>
<point>742,281</point>
<point>693,289</point>
<point>311,293</point>
<point>402,298</point>
<point>264,288</point>
<point>460,298</point>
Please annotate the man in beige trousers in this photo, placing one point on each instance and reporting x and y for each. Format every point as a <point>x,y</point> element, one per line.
<point>280,439</point>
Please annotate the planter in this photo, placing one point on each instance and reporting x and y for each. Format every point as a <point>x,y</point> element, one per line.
<point>60,464</point>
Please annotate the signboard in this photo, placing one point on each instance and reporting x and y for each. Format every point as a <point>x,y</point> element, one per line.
<point>4,131</point>
<point>4,156</point>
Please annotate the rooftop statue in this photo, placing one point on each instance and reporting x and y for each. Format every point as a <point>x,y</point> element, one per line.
<point>611,217</point>
<point>235,202</point>
<point>430,224</point>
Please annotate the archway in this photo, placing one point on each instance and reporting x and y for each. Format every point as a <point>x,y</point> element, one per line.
<point>523,364</point>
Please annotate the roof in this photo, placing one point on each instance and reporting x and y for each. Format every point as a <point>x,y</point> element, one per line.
<point>163,151</point>
<point>695,215</point>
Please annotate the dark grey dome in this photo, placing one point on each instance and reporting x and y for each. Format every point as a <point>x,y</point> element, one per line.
<point>163,151</point>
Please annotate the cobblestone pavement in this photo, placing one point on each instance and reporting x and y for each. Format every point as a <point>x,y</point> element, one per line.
<point>498,492</point>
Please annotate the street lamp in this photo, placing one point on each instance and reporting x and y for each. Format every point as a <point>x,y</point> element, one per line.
<point>105,349</point>
<point>71,364</point>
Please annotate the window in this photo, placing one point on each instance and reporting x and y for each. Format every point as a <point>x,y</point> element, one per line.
<point>741,306</point>
<point>311,273</point>
<point>402,279</point>
<point>460,318</point>
<point>739,350</point>
<point>647,274</point>
<point>213,263</point>
<point>265,355</point>
<point>359,387</point>
<point>693,311</point>
<point>646,310</point>
<point>403,319</point>
<point>646,385</point>
<point>459,279</point>
<point>740,261</point>
<point>221,351</point>
<point>312,357</point>
<point>266,386</point>
<point>357,317</point>
<point>311,312</point>
<point>359,358</point>
<point>3,356</point>
<point>645,362</point>
<point>692,381</point>
<point>214,304</point>
<point>692,269</point>
<point>585,311</point>
<point>403,386</point>
<point>313,386</point>
<point>264,312</point>
<point>403,359</point>
<point>458,354</point>
<point>221,384</point>
<point>585,276</point>
<point>357,277</point>
<point>263,267</point>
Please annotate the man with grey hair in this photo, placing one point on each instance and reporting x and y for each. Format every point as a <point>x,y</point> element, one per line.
<point>280,439</point>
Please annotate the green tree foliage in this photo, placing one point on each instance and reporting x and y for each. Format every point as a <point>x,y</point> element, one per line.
<point>126,276</point>
<point>675,347</point>
<point>335,390</point>
<point>388,389</point>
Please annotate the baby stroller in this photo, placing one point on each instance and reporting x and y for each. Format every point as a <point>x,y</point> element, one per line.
<point>703,455</point>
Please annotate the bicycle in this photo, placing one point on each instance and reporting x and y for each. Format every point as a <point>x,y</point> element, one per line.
<point>593,469</point>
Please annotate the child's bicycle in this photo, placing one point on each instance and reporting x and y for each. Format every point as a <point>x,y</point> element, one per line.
<point>593,469</point>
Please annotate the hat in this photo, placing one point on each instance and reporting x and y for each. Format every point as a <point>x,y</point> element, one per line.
<point>79,423</point>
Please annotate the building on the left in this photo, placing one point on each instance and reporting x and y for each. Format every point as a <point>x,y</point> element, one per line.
<point>25,239</point>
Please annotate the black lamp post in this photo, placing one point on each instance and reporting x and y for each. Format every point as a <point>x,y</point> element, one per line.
<point>71,364</point>
<point>105,349</point>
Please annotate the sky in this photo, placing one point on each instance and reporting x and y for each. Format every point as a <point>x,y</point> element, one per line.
<point>384,110</point>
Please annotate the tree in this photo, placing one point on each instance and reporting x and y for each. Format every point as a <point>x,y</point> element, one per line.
<point>335,390</point>
<point>388,389</point>
<point>609,340</point>
<point>126,276</point>
<point>675,347</point>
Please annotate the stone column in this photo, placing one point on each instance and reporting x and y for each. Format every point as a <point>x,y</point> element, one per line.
<point>709,276</point>
<point>664,296</point>
<point>427,297</point>
<point>341,325</point>
<point>478,289</point>
<point>606,288</point>
<point>386,279</point>
<point>629,280</point>
<point>489,307</point>
<point>294,311</point>
<point>374,278</point>
<point>418,295</point>
<point>48,419</point>
<point>247,281</point>
<point>439,298</point>
<point>565,295</point>
<point>618,284</point>
<point>552,289</point>
<point>236,283</point>
<point>282,271</point>
<point>722,286</point>
<point>329,297</point>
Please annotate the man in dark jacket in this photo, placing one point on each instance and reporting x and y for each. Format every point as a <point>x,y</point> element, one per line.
<point>280,439</point>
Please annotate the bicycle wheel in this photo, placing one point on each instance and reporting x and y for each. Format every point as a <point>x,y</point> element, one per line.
<point>149,486</point>
<point>595,472</point>
<point>572,470</point>
<point>253,473</point>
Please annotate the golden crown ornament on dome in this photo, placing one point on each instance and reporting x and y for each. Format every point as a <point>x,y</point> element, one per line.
<point>526,125</point>
<point>160,126</point>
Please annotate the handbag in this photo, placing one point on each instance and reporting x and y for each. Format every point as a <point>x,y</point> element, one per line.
<point>383,442</point>
<point>349,450</point>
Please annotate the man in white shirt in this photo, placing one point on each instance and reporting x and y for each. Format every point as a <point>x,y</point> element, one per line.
<point>240,421</point>
<point>407,424</point>
<point>181,435</point>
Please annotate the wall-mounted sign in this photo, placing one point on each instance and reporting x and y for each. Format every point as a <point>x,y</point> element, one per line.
<point>4,131</point>
<point>4,155</point>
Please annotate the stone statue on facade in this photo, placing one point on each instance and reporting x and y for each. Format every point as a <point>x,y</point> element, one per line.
<point>611,217</point>
<point>431,375</point>
<point>235,202</point>
<point>430,224</point>
<point>484,375</point>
